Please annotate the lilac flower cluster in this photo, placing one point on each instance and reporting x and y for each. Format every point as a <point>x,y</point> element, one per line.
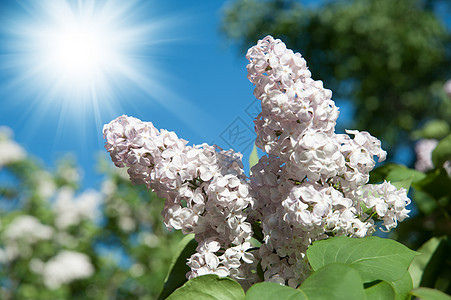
<point>423,151</point>
<point>311,184</point>
<point>205,189</point>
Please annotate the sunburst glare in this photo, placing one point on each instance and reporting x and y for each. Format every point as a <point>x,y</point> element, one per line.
<point>77,48</point>
<point>77,52</point>
<point>75,59</point>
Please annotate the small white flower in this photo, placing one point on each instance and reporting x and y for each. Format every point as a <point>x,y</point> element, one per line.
<point>64,268</point>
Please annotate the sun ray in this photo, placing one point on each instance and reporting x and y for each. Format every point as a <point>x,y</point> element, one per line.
<point>74,60</point>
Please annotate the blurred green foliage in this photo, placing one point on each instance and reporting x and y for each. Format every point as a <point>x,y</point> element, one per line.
<point>390,58</point>
<point>127,243</point>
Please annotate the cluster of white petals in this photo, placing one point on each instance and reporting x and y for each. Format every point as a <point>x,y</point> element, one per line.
<point>447,88</point>
<point>205,189</point>
<point>21,234</point>
<point>387,202</point>
<point>311,184</point>
<point>63,268</point>
<point>10,151</point>
<point>423,151</point>
<point>70,210</point>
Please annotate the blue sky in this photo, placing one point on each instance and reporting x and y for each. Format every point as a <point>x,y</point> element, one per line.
<point>189,79</point>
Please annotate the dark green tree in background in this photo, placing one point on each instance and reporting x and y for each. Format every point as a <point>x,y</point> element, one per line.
<point>390,58</point>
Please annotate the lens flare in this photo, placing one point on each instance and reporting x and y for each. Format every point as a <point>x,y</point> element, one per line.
<point>85,60</point>
<point>77,51</point>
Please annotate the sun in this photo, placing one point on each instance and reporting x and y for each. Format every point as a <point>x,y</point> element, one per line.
<point>79,54</point>
<point>76,60</point>
<point>79,51</point>
<point>81,47</point>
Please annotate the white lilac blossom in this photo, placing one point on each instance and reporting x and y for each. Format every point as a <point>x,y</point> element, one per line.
<point>205,189</point>
<point>423,150</point>
<point>10,151</point>
<point>447,88</point>
<point>29,228</point>
<point>63,268</point>
<point>69,173</point>
<point>447,167</point>
<point>387,202</point>
<point>45,184</point>
<point>21,234</point>
<point>70,210</point>
<point>310,185</point>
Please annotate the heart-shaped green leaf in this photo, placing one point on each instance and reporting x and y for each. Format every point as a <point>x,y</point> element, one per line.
<point>177,272</point>
<point>271,290</point>
<point>209,287</point>
<point>380,291</point>
<point>334,281</point>
<point>373,257</point>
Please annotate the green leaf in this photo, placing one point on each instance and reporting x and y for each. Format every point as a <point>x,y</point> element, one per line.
<point>380,173</point>
<point>334,281</point>
<point>436,184</point>
<point>373,257</point>
<point>403,173</point>
<point>271,290</point>
<point>380,291</point>
<point>425,203</point>
<point>209,287</point>
<point>394,173</point>
<point>433,129</point>
<point>397,290</point>
<point>253,158</point>
<point>429,294</point>
<point>402,287</point>
<point>257,229</point>
<point>177,271</point>
<point>425,267</point>
<point>406,183</point>
<point>442,152</point>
